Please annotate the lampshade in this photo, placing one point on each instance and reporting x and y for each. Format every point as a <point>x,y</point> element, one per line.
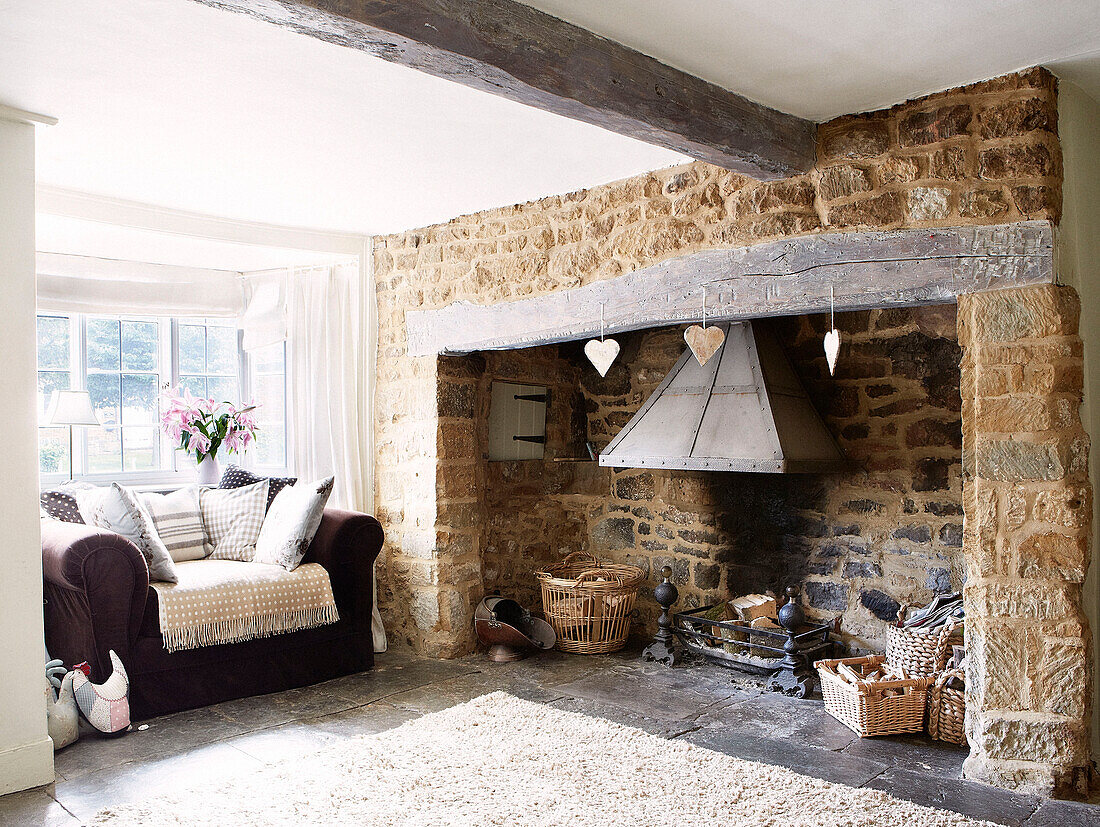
<point>71,408</point>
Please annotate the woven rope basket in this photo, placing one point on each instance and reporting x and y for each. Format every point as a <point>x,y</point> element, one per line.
<point>919,652</point>
<point>947,708</point>
<point>588,603</point>
<point>867,708</point>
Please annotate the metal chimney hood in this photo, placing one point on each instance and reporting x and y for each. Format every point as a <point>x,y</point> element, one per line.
<point>745,410</point>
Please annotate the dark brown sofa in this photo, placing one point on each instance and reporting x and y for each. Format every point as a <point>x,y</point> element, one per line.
<point>98,598</point>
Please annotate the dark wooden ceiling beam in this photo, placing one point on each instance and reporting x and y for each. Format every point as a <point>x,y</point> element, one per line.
<point>520,53</point>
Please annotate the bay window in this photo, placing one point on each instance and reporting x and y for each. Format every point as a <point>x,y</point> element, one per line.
<point>126,363</point>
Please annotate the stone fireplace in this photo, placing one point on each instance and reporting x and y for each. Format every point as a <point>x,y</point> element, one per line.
<point>944,413</point>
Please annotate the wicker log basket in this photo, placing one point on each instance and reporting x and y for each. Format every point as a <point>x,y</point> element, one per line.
<point>588,603</point>
<point>872,707</point>
<point>921,652</point>
<point>947,708</point>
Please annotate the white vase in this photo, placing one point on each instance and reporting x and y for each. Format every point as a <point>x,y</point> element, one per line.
<point>209,473</point>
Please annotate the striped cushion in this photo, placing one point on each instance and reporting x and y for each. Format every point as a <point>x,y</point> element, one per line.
<point>178,522</point>
<point>231,518</point>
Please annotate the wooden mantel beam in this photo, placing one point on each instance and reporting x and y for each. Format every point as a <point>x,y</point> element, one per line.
<point>780,278</point>
<point>520,53</point>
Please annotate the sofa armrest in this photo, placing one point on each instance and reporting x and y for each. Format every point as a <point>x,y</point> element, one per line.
<point>96,585</point>
<point>346,544</point>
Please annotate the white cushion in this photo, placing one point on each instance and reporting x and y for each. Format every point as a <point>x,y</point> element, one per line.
<point>291,523</point>
<point>118,509</point>
<point>178,522</point>
<point>231,519</point>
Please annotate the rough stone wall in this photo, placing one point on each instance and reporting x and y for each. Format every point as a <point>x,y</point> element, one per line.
<point>986,153</point>
<point>1028,509</point>
<point>856,544</point>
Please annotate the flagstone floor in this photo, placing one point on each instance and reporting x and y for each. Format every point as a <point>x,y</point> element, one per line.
<point>719,708</point>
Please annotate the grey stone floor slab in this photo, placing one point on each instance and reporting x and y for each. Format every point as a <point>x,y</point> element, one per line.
<point>717,708</point>
<point>912,752</point>
<point>212,764</point>
<point>966,797</point>
<point>813,761</point>
<point>35,807</point>
<point>1065,814</point>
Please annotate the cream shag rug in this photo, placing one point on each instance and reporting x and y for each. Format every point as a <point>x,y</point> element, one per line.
<point>499,760</point>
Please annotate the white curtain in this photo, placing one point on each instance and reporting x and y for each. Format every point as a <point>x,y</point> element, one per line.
<point>330,350</point>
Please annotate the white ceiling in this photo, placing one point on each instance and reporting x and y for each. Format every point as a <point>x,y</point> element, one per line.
<point>823,59</point>
<point>174,104</point>
<point>171,103</point>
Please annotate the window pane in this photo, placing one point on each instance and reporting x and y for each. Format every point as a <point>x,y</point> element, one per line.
<point>104,450</point>
<point>103,344</point>
<point>53,343</point>
<point>140,449</point>
<point>271,446</point>
<point>139,346</point>
<point>223,389</point>
<point>53,450</point>
<point>270,359</point>
<point>222,356</point>
<point>104,389</point>
<point>139,399</point>
<point>192,348</point>
<point>48,382</point>
<point>195,384</point>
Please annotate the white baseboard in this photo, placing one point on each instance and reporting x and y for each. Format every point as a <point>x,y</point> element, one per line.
<point>26,766</point>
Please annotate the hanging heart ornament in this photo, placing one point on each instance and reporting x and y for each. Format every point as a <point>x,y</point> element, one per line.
<point>601,353</point>
<point>704,341</point>
<point>832,348</point>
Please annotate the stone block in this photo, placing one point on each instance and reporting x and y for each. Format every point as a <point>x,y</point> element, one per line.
<point>1067,506</point>
<point>997,678</point>
<point>707,575</point>
<point>831,597</point>
<point>934,125</point>
<point>983,203</point>
<point>1011,460</point>
<point>899,170</point>
<point>424,607</point>
<point>913,533</point>
<point>927,433</point>
<point>951,535</point>
<point>1058,671</point>
<point>634,487</point>
<point>927,203</point>
<point>861,569</point>
<point>1034,201</point>
<point>880,604</point>
<point>853,137</point>
<point>949,164</point>
<point>1023,601</point>
<point>932,474</point>
<point>843,180</point>
<point>1052,741</point>
<point>1015,161</point>
<point>882,210</point>
<point>614,533</point>
<point>1053,556</point>
<point>1023,414</point>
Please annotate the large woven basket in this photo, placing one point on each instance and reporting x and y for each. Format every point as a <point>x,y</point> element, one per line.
<point>589,603</point>
<point>870,707</point>
<point>947,708</point>
<point>921,653</point>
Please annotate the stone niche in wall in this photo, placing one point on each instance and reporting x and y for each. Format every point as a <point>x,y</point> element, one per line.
<point>857,544</point>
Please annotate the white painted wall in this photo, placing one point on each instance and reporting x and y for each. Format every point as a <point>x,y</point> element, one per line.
<point>1078,251</point>
<point>26,752</point>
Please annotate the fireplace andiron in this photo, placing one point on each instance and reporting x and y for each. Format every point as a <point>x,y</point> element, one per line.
<point>661,650</point>
<point>794,676</point>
